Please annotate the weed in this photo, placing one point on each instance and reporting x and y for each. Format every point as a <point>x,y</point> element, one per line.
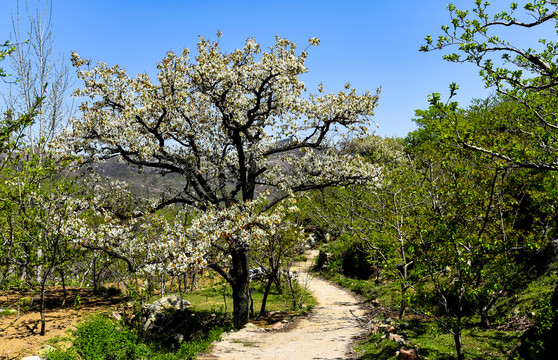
<point>77,302</point>
<point>8,312</point>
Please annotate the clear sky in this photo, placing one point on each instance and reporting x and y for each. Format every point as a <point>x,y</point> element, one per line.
<point>367,43</point>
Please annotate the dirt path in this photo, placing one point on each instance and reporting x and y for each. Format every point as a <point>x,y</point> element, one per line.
<point>324,335</point>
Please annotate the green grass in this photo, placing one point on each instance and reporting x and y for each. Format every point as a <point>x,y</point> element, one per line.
<point>432,343</point>
<point>8,312</point>
<point>527,301</point>
<point>218,298</point>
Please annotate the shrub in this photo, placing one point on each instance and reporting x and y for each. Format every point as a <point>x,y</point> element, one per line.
<point>98,338</point>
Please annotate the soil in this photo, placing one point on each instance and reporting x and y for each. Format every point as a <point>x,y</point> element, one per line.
<point>325,334</point>
<point>19,335</point>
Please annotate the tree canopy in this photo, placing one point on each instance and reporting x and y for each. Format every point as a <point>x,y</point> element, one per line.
<point>527,77</point>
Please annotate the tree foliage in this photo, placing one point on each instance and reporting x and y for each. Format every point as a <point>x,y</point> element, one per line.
<point>524,77</point>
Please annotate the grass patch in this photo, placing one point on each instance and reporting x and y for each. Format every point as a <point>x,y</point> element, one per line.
<point>527,301</point>
<point>432,343</point>
<point>8,312</point>
<point>218,299</point>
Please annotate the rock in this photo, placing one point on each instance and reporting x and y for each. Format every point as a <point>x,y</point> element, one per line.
<point>387,328</point>
<point>396,338</point>
<point>410,354</point>
<point>310,241</point>
<point>171,302</point>
<point>117,315</point>
<point>252,327</point>
<point>381,328</point>
<point>148,324</point>
<point>277,326</point>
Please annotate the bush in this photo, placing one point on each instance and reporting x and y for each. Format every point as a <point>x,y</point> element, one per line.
<point>98,338</point>
<point>349,258</point>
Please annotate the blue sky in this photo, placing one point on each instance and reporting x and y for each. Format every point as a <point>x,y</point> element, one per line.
<point>367,43</point>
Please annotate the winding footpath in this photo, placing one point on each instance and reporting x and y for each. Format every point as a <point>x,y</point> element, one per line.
<point>323,335</point>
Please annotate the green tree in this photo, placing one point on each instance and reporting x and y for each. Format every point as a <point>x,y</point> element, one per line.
<point>468,236</point>
<point>524,76</point>
<point>525,80</point>
<point>376,216</point>
<point>34,210</point>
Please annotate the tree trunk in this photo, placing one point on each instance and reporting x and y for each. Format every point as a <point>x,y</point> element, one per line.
<point>42,308</point>
<point>240,287</point>
<point>485,320</point>
<point>264,299</point>
<point>458,344</point>
<point>272,277</point>
<point>63,279</point>
<point>403,304</point>
<point>95,273</point>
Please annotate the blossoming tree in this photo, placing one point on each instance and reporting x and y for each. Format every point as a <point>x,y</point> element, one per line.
<point>239,129</point>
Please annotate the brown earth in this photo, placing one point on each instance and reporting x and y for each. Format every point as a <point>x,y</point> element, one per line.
<point>19,335</point>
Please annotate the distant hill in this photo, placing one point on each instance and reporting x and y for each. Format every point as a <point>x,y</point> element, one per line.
<point>144,183</point>
<point>149,183</point>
